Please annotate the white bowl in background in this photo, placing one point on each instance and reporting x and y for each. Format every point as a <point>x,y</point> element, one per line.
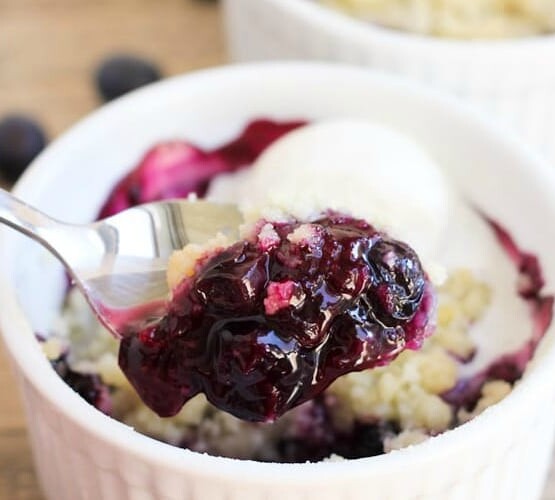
<point>513,78</point>
<point>82,454</point>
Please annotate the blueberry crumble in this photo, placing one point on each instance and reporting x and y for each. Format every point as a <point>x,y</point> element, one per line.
<point>306,340</point>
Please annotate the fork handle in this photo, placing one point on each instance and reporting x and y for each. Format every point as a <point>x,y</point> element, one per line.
<point>26,219</point>
<point>69,243</point>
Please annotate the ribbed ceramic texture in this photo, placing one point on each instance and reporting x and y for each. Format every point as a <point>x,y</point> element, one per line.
<point>510,465</point>
<point>514,82</point>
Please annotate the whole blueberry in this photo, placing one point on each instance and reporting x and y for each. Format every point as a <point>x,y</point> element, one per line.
<point>21,140</point>
<point>121,74</point>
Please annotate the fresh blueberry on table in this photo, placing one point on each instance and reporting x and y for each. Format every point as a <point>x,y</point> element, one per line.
<point>121,74</point>
<point>21,140</point>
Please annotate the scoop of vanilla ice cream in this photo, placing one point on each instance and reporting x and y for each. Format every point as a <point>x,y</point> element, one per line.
<point>353,166</point>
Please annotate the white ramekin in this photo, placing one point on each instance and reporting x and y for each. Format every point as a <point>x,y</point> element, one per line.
<point>514,79</point>
<point>82,454</point>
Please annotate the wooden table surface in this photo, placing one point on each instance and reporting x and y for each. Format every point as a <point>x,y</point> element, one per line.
<point>48,52</point>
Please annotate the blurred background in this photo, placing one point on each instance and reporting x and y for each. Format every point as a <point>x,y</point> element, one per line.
<point>59,60</point>
<point>52,55</point>
<point>51,49</point>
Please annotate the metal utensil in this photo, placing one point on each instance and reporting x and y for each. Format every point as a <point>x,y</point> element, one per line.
<point>119,263</point>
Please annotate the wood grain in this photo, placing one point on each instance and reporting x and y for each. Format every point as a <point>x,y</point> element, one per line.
<point>49,50</point>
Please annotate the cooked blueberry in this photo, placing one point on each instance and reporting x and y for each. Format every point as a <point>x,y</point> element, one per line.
<point>364,440</point>
<point>88,386</point>
<point>21,140</point>
<point>312,436</point>
<point>398,293</point>
<point>121,74</point>
<point>239,290</point>
<point>263,328</point>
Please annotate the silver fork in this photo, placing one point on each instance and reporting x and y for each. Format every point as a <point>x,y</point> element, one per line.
<point>119,263</point>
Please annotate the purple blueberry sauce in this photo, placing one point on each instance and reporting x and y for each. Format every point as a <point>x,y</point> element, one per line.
<point>261,329</point>
<point>510,367</point>
<point>176,169</point>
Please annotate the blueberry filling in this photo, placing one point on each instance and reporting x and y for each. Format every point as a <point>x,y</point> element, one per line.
<point>88,386</point>
<point>261,329</point>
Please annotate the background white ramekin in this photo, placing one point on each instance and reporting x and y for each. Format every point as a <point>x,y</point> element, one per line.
<point>82,454</point>
<point>513,79</point>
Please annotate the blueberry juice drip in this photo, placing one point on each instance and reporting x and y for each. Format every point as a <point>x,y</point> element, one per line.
<point>510,366</point>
